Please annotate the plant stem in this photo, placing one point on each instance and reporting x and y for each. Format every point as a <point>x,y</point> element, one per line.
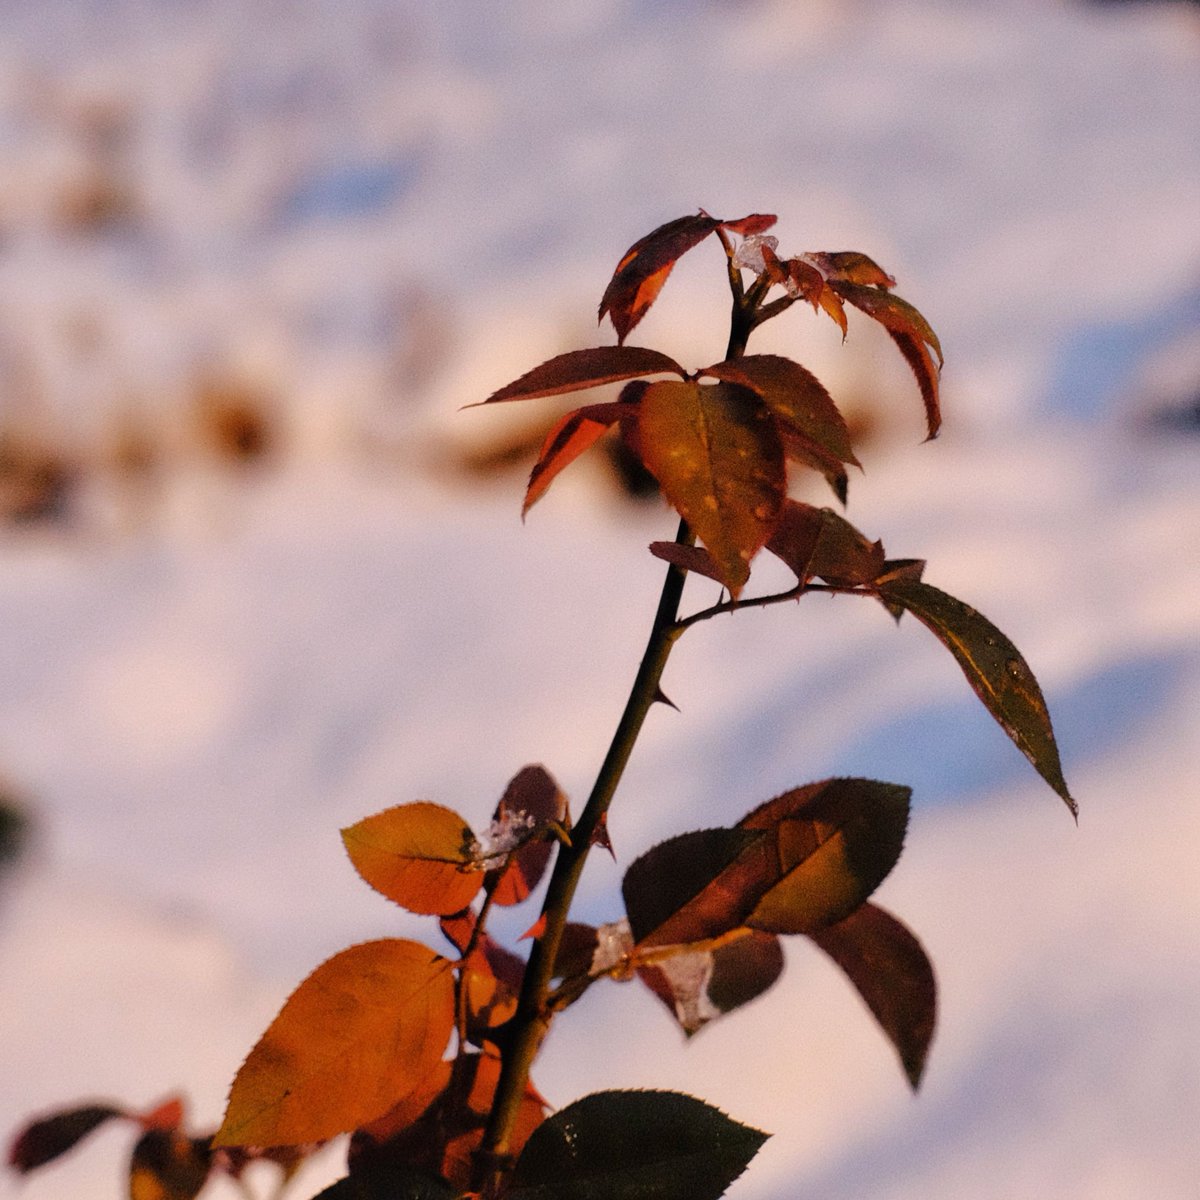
<point>531,1020</point>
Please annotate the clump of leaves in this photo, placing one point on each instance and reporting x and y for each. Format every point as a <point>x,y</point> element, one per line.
<point>424,1057</point>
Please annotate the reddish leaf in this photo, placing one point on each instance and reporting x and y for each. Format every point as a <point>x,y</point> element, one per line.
<point>995,669</point>
<point>853,267</point>
<point>892,973</point>
<point>492,978</point>
<point>576,949</point>
<point>443,1137</point>
<point>698,986</point>
<point>361,1033</point>
<point>167,1115</point>
<point>43,1140</point>
<point>567,440</point>
<point>696,886</point>
<point>835,843</point>
<point>751,225</point>
<point>716,453</point>
<point>796,397</point>
<point>912,335</point>
<point>578,369</point>
<point>530,805</point>
<point>422,856</point>
<point>819,542</point>
<point>691,558</point>
<point>643,270</point>
<point>801,450</point>
<point>168,1166</point>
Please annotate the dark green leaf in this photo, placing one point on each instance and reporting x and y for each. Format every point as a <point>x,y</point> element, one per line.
<point>634,1146</point>
<point>994,668</point>
<point>892,973</point>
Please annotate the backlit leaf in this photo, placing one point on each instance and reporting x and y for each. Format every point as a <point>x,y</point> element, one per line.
<point>836,841</point>
<point>696,885</point>
<point>578,369</point>
<point>634,1146</point>
<point>45,1139</point>
<point>361,1033</point>
<point>697,986</point>
<point>644,268</point>
<point>530,805</point>
<point>912,335</point>
<point>795,396</point>
<point>422,856</point>
<point>575,433</point>
<point>995,669</point>
<point>168,1165</point>
<point>716,452</point>
<point>892,973</point>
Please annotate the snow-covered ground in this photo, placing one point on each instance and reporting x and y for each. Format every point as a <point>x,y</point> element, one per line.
<point>371,213</point>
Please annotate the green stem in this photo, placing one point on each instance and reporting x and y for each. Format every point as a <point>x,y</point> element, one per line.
<point>532,1019</point>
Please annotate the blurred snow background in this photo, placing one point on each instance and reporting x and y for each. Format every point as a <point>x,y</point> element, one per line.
<point>252,260</point>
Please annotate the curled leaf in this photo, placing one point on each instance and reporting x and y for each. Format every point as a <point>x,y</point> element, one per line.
<point>570,437</point>
<point>1000,677</point>
<point>644,268</point>
<point>913,337</point>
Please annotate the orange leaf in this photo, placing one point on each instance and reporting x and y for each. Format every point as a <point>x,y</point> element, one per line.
<point>853,267</point>
<point>644,268</point>
<point>360,1034</point>
<point>578,369</point>
<point>419,855</point>
<point>836,841</point>
<point>691,558</point>
<point>567,440</point>
<point>716,452</point>
<point>795,396</point>
<point>892,973</point>
<point>912,335</point>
